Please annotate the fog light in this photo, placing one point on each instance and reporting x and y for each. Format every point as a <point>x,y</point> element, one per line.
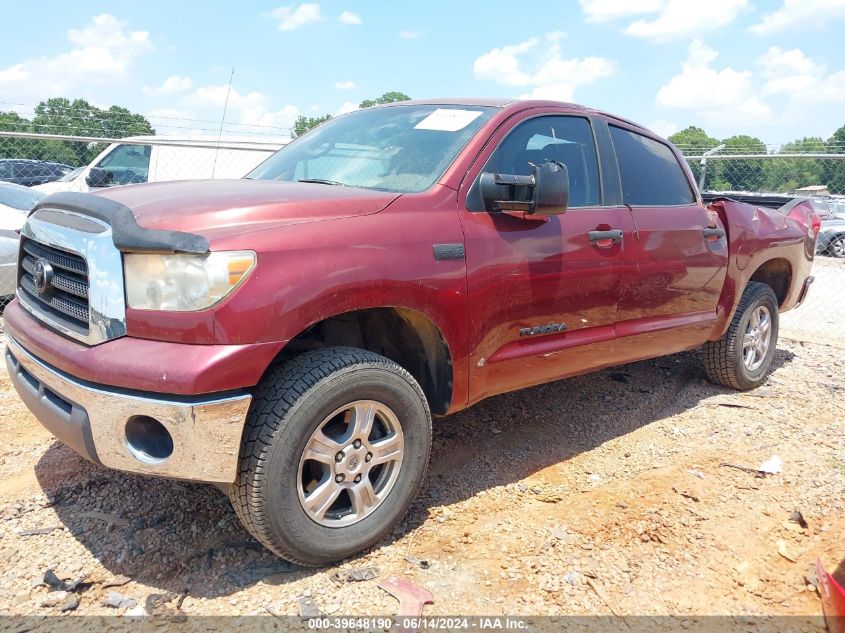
<point>148,440</point>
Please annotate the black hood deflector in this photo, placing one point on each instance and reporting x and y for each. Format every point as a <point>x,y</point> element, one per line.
<point>128,236</point>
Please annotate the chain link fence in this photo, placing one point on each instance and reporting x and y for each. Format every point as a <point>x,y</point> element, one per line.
<point>43,163</point>
<point>820,175</point>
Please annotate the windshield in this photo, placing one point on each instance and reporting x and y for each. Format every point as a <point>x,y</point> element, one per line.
<point>71,175</point>
<point>402,149</point>
<point>19,197</point>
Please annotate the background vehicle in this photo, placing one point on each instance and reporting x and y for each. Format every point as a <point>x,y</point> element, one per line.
<point>15,202</point>
<point>832,237</point>
<point>823,208</point>
<point>140,159</point>
<point>288,336</point>
<point>31,172</point>
<point>837,210</point>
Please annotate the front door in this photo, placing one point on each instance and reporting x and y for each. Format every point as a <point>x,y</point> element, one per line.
<point>543,290</point>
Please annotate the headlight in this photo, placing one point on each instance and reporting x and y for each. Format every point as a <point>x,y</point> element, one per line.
<point>183,283</point>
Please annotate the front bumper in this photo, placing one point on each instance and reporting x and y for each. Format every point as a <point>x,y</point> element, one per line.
<point>91,419</point>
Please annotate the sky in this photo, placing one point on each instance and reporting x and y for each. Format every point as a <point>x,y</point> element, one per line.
<point>774,69</point>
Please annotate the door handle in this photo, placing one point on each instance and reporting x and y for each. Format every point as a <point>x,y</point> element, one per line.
<point>605,239</point>
<point>713,233</point>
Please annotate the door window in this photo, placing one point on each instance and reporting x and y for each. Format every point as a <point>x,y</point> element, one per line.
<point>127,164</point>
<point>566,139</point>
<point>650,172</point>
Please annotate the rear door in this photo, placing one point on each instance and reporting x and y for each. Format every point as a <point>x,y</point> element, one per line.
<point>543,290</point>
<point>677,248</point>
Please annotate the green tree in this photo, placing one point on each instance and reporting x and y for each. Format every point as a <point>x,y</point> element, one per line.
<point>787,174</point>
<point>743,174</point>
<point>59,115</point>
<point>693,141</point>
<point>387,97</point>
<point>303,124</point>
<point>16,147</point>
<point>833,170</point>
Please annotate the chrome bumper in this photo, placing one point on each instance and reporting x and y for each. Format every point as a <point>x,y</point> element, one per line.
<point>91,419</point>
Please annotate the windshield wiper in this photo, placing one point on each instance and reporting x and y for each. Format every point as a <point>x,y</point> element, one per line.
<point>321,181</point>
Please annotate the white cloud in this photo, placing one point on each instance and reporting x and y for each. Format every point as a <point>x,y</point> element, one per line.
<point>293,17</point>
<point>502,65</point>
<point>348,106</point>
<point>251,108</point>
<point>410,35</point>
<point>667,19</point>
<point>799,13</point>
<point>718,95</point>
<point>799,77</point>
<point>682,18</point>
<point>15,73</point>
<point>103,52</point>
<point>172,85</point>
<point>604,10</point>
<point>349,18</point>
<point>344,85</point>
<point>663,128</point>
<point>550,77</point>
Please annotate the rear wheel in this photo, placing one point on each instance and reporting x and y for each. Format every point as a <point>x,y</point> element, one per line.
<point>335,448</point>
<point>742,358</point>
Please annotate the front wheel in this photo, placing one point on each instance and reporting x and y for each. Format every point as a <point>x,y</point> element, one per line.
<point>335,448</point>
<point>742,358</point>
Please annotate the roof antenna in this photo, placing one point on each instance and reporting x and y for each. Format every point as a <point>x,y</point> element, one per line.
<point>222,121</point>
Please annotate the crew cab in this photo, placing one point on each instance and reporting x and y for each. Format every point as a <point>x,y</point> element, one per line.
<point>290,335</point>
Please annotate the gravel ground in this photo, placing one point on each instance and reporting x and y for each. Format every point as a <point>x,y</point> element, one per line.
<point>603,493</point>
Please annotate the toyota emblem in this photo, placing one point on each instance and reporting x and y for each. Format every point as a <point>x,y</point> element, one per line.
<point>43,275</point>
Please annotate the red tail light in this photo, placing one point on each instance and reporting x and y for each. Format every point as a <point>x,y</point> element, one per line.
<point>817,223</point>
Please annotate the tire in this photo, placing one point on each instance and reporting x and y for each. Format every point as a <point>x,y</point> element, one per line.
<point>290,404</point>
<point>836,247</point>
<point>725,360</point>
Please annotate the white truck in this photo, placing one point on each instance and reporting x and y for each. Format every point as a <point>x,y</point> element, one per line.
<point>140,159</point>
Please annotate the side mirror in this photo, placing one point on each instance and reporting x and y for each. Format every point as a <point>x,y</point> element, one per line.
<point>545,191</point>
<point>98,177</point>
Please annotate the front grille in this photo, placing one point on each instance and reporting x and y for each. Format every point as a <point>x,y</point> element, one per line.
<point>66,298</point>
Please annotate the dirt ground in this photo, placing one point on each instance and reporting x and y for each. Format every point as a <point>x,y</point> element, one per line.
<point>599,494</point>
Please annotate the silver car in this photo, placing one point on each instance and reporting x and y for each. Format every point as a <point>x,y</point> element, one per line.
<point>832,238</point>
<point>15,202</point>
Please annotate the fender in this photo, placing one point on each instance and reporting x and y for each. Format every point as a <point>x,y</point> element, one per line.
<point>757,235</point>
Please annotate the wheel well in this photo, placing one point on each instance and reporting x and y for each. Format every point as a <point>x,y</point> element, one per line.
<point>776,273</point>
<point>407,337</point>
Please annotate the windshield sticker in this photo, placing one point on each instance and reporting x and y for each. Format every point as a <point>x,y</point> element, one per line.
<point>448,120</point>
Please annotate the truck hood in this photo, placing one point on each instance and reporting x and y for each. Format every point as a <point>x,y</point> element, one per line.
<point>215,208</point>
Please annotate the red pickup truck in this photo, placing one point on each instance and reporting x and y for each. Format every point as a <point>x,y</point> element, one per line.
<point>288,336</point>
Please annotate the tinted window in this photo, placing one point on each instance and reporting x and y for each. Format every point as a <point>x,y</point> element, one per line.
<point>568,140</point>
<point>5,170</point>
<point>651,175</point>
